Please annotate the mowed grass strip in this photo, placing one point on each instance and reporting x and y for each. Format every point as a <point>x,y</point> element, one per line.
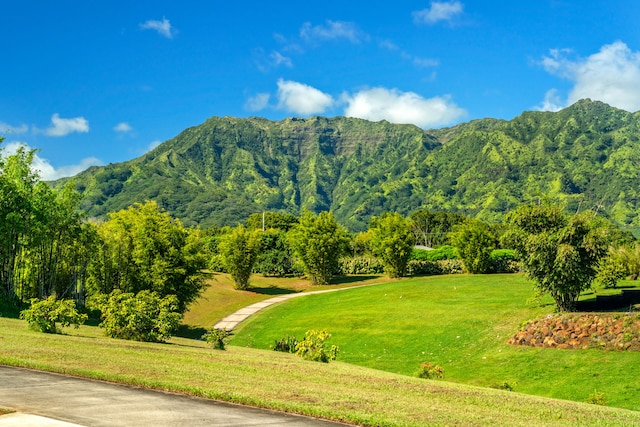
<point>458,322</point>
<point>285,382</point>
<point>220,299</point>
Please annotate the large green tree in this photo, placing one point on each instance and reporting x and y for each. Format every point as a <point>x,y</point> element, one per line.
<point>45,245</point>
<point>560,253</point>
<point>144,248</point>
<point>392,240</point>
<point>239,250</point>
<point>318,242</point>
<point>474,241</point>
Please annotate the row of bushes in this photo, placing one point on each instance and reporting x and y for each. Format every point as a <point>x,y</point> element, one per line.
<point>443,260</point>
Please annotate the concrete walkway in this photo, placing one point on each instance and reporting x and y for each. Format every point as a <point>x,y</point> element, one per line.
<point>45,399</point>
<point>232,320</point>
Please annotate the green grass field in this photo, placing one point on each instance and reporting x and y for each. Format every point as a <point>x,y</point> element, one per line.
<point>285,382</point>
<point>458,322</point>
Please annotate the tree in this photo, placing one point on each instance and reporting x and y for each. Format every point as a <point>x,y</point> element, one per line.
<point>474,241</point>
<point>620,262</point>
<point>559,253</point>
<point>319,241</point>
<point>432,228</point>
<point>239,249</point>
<point>143,248</point>
<point>392,240</point>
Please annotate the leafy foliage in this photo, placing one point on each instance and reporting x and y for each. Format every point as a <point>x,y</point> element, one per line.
<point>430,371</point>
<point>239,249</point>
<point>392,240</point>
<point>312,347</point>
<point>474,241</point>
<point>216,337</point>
<point>559,253</point>
<point>319,241</point>
<point>45,315</point>
<point>620,262</point>
<point>144,316</point>
<point>143,248</point>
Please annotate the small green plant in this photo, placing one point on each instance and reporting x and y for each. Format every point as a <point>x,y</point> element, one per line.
<point>504,386</point>
<point>287,344</point>
<point>45,315</point>
<point>596,398</point>
<point>430,371</point>
<point>216,337</point>
<point>313,347</point>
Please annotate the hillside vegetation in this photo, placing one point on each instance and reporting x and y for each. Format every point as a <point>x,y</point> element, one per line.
<point>217,173</point>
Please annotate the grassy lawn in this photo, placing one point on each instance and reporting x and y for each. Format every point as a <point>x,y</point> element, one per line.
<point>220,298</point>
<point>458,322</point>
<point>285,382</point>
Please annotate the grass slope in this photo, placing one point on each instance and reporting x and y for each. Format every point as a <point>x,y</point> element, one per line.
<point>281,381</point>
<point>458,322</point>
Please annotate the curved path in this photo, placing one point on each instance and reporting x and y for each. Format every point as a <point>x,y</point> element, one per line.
<point>232,320</point>
<point>47,399</point>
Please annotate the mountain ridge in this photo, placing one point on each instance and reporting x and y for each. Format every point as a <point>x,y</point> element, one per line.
<point>219,172</point>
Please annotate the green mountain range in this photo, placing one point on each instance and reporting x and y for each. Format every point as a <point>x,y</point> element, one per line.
<point>586,156</point>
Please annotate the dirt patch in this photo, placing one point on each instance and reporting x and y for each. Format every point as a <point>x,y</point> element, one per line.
<point>612,331</point>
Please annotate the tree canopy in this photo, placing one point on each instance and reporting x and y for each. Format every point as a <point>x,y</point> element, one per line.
<point>560,253</point>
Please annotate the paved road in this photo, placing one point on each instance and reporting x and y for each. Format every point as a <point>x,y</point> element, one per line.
<point>51,398</point>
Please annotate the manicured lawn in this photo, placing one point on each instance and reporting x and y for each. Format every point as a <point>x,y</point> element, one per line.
<point>220,298</point>
<point>285,382</point>
<point>458,322</point>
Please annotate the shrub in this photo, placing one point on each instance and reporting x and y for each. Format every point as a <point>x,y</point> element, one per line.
<point>438,254</point>
<point>431,268</point>
<point>361,265</point>
<point>504,261</point>
<point>287,344</point>
<point>44,315</point>
<point>596,398</point>
<point>313,347</point>
<point>430,371</point>
<point>141,317</point>
<point>216,337</point>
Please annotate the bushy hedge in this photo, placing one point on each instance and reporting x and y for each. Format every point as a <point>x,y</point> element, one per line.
<point>442,253</point>
<point>361,265</point>
<point>504,261</point>
<point>433,268</point>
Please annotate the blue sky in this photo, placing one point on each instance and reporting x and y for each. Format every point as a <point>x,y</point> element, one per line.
<point>97,82</point>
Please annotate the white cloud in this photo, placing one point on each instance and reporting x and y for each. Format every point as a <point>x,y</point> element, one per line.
<point>302,99</point>
<point>257,102</point>
<point>611,75</point>
<point>163,27</point>
<point>6,128</point>
<point>45,169</point>
<point>333,30</point>
<point>273,60</point>
<point>62,127</point>
<point>402,107</point>
<point>439,11</point>
<point>552,102</point>
<point>123,127</point>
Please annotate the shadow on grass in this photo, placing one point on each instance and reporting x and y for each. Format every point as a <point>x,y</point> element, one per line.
<point>272,290</point>
<point>341,280</point>
<point>191,332</point>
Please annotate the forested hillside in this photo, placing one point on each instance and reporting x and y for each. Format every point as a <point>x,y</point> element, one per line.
<point>220,172</point>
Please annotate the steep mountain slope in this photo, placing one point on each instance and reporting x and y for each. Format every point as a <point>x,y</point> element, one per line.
<point>227,168</point>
